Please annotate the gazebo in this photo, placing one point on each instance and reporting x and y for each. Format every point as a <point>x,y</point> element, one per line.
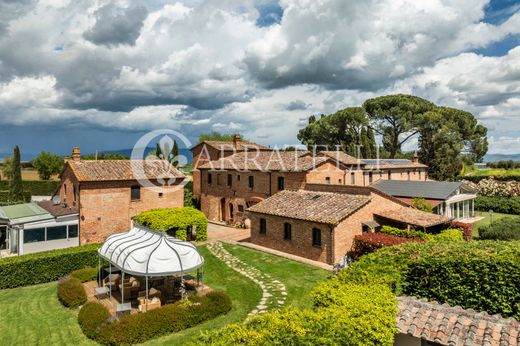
<point>147,253</point>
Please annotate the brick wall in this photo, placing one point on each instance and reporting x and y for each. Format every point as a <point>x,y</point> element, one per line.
<point>69,187</point>
<point>106,207</point>
<point>301,242</point>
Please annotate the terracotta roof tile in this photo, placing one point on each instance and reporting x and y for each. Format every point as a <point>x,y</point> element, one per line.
<point>454,325</point>
<point>324,207</point>
<point>109,170</point>
<point>342,157</point>
<point>286,161</point>
<point>414,217</point>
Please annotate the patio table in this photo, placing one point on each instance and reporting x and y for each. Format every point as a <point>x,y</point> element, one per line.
<point>122,309</point>
<point>101,292</point>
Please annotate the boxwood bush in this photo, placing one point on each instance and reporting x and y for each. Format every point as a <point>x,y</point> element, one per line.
<point>85,274</point>
<point>502,229</point>
<point>138,328</point>
<point>483,275</point>
<point>46,266</point>
<point>91,317</point>
<point>344,315</point>
<point>177,220</point>
<point>71,292</point>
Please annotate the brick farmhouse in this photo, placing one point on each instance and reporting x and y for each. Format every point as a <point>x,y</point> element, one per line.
<point>107,193</point>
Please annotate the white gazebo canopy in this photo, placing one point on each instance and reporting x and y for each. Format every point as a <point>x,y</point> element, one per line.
<point>144,252</point>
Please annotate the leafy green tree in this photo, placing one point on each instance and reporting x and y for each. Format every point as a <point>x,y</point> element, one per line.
<point>421,204</point>
<point>395,117</point>
<point>104,156</point>
<point>47,164</point>
<point>345,129</point>
<point>16,184</point>
<point>217,136</point>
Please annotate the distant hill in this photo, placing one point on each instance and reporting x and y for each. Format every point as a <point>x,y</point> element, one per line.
<point>501,157</point>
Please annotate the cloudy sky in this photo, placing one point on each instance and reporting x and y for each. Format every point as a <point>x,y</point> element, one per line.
<point>100,74</point>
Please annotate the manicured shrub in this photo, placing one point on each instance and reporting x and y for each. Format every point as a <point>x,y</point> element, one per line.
<point>91,317</point>
<point>138,328</point>
<point>85,274</point>
<point>370,242</point>
<point>504,205</point>
<point>177,220</point>
<point>403,233</point>
<point>487,271</point>
<point>446,235</point>
<point>502,229</point>
<point>345,315</point>
<point>47,266</point>
<point>71,292</point>
<point>466,228</point>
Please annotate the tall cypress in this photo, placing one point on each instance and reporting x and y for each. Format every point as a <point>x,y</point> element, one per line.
<point>175,154</point>
<point>16,185</point>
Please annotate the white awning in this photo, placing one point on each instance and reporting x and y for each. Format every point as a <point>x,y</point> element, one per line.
<point>144,252</point>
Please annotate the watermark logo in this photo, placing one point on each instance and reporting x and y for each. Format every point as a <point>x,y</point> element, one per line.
<point>154,160</point>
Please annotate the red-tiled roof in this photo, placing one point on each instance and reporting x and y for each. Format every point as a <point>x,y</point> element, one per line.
<point>414,217</point>
<point>109,170</point>
<point>323,207</point>
<point>58,210</point>
<point>286,161</point>
<point>342,157</point>
<point>455,326</point>
<point>230,146</point>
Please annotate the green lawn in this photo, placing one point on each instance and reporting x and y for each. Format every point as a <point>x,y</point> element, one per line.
<point>32,315</point>
<point>495,172</point>
<point>487,219</point>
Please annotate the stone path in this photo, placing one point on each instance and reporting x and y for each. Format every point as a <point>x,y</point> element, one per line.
<point>274,293</point>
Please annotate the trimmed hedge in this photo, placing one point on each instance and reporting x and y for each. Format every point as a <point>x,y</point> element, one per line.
<point>486,274</point>
<point>91,317</point>
<point>344,315</point>
<point>370,242</point>
<point>85,274</point>
<point>34,187</point>
<point>71,292</point>
<point>138,328</point>
<point>506,205</point>
<point>502,229</point>
<point>46,266</point>
<point>403,233</point>
<point>175,219</point>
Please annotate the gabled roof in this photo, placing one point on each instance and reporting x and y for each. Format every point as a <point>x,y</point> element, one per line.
<point>391,163</point>
<point>230,146</point>
<point>285,161</point>
<point>415,217</point>
<point>455,326</point>
<point>440,190</point>
<point>323,207</point>
<point>115,170</point>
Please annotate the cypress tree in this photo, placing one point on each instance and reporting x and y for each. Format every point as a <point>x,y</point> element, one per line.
<point>16,185</point>
<point>175,154</point>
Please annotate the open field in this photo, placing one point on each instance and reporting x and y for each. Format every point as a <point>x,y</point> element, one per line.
<point>30,174</point>
<point>495,172</point>
<point>32,315</point>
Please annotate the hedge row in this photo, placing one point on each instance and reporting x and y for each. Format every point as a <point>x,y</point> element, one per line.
<point>46,266</point>
<point>502,229</point>
<point>450,234</point>
<point>34,187</point>
<point>71,292</point>
<point>85,274</point>
<point>343,315</point>
<point>370,242</point>
<point>138,328</point>
<point>175,220</point>
<point>506,205</point>
<point>485,275</point>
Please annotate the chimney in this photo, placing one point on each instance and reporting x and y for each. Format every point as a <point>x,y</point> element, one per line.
<point>236,141</point>
<point>415,157</point>
<point>76,156</point>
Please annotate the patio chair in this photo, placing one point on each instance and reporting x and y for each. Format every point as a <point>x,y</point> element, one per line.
<point>112,282</point>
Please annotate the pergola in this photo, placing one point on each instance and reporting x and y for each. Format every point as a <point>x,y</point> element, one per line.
<point>144,252</point>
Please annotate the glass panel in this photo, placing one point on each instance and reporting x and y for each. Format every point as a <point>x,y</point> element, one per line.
<point>56,232</point>
<point>33,235</point>
<point>73,231</point>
